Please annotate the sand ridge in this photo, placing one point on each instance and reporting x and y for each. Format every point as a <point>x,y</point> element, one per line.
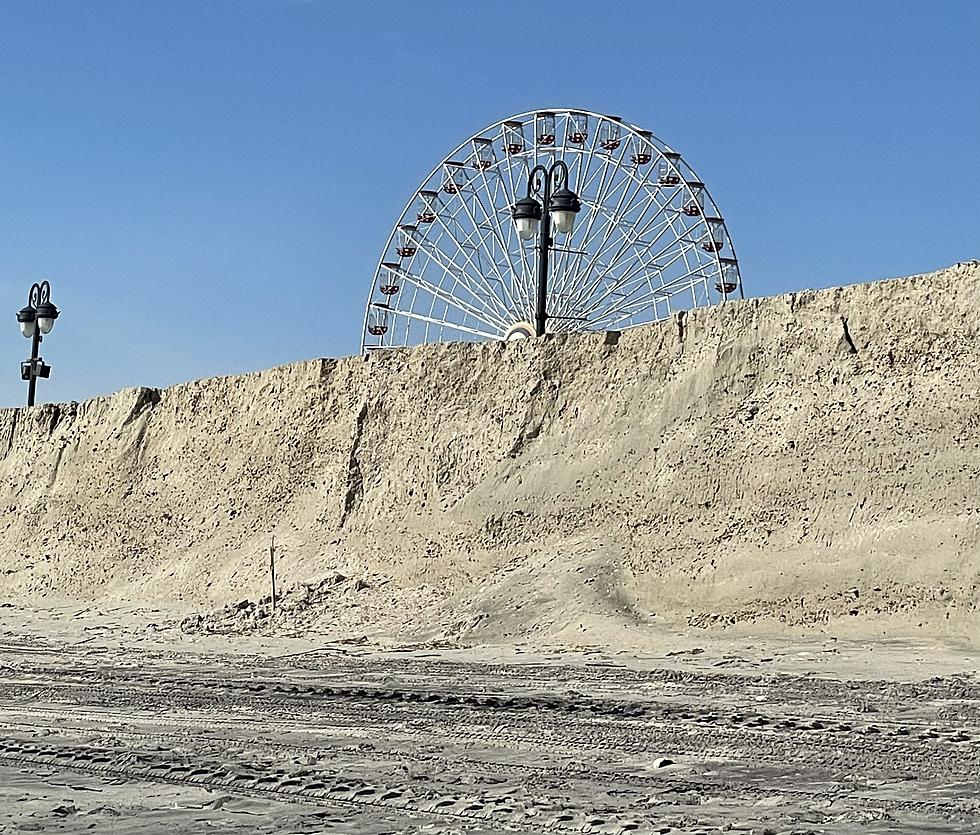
<point>784,465</point>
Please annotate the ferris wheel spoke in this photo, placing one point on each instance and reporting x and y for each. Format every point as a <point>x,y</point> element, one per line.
<point>654,261</point>
<point>625,241</point>
<point>609,162</point>
<point>442,323</point>
<point>521,277</point>
<point>452,300</point>
<point>473,240</point>
<point>492,218</point>
<point>513,161</point>
<point>602,190</point>
<point>655,224</point>
<point>438,302</point>
<point>672,212</point>
<point>580,276</point>
<point>517,258</point>
<point>452,236</point>
<point>578,242</point>
<point>640,257</point>
<point>646,198</point>
<point>458,242</point>
<point>621,211</point>
<point>627,297</point>
<point>616,282</point>
<point>449,278</point>
<point>645,304</point>
<point>579,173</point>
<point>498,216</point>
<point>451,269</point>
<point>482,237</point>
<point>631,314</point>
<point>679,244</point>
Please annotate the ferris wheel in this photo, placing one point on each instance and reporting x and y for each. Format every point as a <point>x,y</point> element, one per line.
<point>647,239</point>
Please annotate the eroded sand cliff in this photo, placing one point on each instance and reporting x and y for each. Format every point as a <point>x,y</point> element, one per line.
<point>808,461</point>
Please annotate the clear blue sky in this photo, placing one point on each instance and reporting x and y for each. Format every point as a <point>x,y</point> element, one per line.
<point>207,184</point>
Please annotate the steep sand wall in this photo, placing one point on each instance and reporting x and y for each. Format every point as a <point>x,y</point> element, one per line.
<point>798,461</point>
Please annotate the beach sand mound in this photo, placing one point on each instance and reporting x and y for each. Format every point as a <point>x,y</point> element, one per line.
<point>343,609</point>
<point>789,464</point>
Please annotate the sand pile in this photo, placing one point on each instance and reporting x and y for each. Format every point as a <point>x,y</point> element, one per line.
<point>799,462</point>
<point>344,609</point>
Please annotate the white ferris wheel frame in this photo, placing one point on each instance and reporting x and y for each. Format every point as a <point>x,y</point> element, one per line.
<point>491,297</point>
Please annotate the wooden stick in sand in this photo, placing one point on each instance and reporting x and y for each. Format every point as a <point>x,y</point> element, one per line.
<point>272,568</point>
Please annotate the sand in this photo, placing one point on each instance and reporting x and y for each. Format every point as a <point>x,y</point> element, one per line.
<point>108,724</point>
<point>786,465</point>
<point>718,574</point>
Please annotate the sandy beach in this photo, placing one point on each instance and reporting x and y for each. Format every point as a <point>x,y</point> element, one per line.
<point>114,725</point>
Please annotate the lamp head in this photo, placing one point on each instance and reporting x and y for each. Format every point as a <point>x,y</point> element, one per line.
<point>564,206</point>
<point>527,215</point>
<point>46,314</point>
<point>27,317</point>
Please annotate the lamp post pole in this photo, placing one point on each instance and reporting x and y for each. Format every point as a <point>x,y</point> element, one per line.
<point>562,203</point>
<point>32,383</point>
<point>544,250</point>
<point>35,320</point>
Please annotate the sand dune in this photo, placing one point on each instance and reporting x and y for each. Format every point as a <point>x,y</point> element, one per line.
<point>798,463</point>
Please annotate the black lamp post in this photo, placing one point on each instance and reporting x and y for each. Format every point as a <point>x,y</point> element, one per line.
<point>36,319</point>
<point>563,204</point>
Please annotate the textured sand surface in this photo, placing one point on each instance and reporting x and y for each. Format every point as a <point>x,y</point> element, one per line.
<point>715,575</point>
<point>110,726</point>
<point>802,463</point>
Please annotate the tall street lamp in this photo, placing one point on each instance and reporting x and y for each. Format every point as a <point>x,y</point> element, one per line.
<point>563,204</point>
<point>36,319</point>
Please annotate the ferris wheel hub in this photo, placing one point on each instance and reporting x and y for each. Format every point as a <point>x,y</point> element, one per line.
<point>519,330</point>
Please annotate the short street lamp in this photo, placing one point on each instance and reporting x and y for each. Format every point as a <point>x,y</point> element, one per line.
<point>36,319</point>
<point>563,204</point>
